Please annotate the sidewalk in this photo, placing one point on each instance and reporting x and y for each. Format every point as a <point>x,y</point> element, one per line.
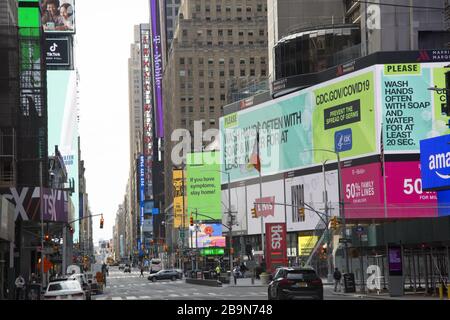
<point>386,296</point>
<point>245,282</point>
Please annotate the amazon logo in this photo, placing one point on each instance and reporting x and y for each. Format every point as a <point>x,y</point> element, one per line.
<point>438,162</point>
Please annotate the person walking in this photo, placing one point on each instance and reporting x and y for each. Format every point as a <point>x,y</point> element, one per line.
<point>337,279</point>
<point>218,271</point>
<point>142,272</point>
<point>243,269</point>
<point>20,287</point>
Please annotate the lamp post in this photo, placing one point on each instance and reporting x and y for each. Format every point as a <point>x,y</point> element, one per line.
<point>341,200</point>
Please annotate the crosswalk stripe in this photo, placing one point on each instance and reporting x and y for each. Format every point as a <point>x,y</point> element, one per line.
<point>116,298</point>
<point>144,297</point>
<point>132,298</point>
<point>212,294</point>
<point>173,295</point>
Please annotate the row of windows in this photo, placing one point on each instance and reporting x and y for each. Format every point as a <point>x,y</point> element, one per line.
<point>221,61</point>
<point>231,73</point>
<point>220,32</point>
<point>202,109</point>
<point>259,8</point>
<point>211,122</point>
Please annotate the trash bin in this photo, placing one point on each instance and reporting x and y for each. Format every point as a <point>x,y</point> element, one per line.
<point>349,283</point>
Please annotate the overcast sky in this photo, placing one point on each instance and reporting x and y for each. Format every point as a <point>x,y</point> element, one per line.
<point>104,34</point>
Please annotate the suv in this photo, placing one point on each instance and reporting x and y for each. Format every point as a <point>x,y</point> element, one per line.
<point>171,274</point>
<point>295,283</point>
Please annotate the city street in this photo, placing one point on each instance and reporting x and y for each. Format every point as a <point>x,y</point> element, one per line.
<point>126,286</point>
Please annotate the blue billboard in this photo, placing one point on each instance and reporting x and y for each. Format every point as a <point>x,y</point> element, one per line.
<point>148,207</point>
<point>343,140</point>
<point>435,163</point>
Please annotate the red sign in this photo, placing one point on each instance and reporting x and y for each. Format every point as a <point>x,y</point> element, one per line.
<point>276,253</point>
<point>265,206</point>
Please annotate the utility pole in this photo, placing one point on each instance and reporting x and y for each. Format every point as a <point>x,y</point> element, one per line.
<point>230,228</point>
<point>42,223</point>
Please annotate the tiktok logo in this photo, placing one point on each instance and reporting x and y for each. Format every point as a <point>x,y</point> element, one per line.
<point>53,47</point>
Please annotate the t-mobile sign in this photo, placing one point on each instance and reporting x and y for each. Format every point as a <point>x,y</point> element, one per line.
<point>276,255</point>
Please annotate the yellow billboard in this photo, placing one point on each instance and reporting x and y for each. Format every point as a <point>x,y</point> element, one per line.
<point>306,244</point>
<point>177,180</point>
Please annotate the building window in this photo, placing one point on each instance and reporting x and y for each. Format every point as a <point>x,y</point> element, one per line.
<point>181,60</point>
<point>212,121</point>
<point>182,73</point>
<point>261,32</point>
<point>230,32</point>
<point>263,60</point>
<point>250,33</point>
<point>211,109</point>
<point>242,73</point>
<point>211,85</point>
<point>183,109</point>
<point>200,60</point>
<point>242,61</point>
<point>231,61</point>
<point>185,33</point>
<point>263,72</point>
<point>211,99</point>
<point>231,72</point>
<point>241,33</point>
<point>210,73</point>
<point>249,9</point>
<point>252,60</point>
<point>183,122</point>
<point>202,109</point>
<point>222,73</point>
<point>191,109</point>
<point>201,73</point>
<point>210,61</point>
<point>222,85</point>
<point>197,8</point>
<point>241,43</point>
<point>228,9</point>
<point>209,32</point>
<point>201,85</point>
<point>252,72</point>
<point>222,97</point>
<point>207,8</point>
<point>221,61</point>
<point>298,197</point>
<point>220,43</point>
<point>259,8</point>
<point>218,8</point>
<point>220,32</point>
<point>239,9</point>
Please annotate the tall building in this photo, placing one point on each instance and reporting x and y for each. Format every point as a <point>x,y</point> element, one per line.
<point>307,36</point>
<point>216,45</point>
<point>169,19</point>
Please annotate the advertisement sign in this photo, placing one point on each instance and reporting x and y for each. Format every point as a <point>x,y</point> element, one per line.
<point>344,104</point>
<point>157,67</point>
<point>406,105</point>
<point>363,191</point>
<point>7,210</point>
<point>148,207</point>
<point>395,261</point>
<point>178,209</point>
<point>203,185</point>
<point>58,16</point>
<point>148,110</point>
<point>212,252</point>
<point>147,225</point>
<point>276,253</point>
<point>57,52</point>
<point>207,235</point>
<point>141,179</point>
<point>284,127</point>
<point>404,192</point>
<point>435,163</point>
<point>306,244</point>
<point>27,205</point>
<point>265,206</point>
<point>343,140</point>
<point>440,118</point>
<point>63,127</point>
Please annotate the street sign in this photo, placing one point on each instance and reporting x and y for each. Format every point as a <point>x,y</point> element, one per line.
<point>364,237</point>
<point>345,240</point>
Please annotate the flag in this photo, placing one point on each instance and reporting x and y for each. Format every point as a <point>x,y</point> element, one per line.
<point>382,151</point>
<point>254,161</point>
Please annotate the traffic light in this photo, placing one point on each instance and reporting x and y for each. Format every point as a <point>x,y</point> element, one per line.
<point>334,223</point>
<point>47,237</point>
<point>101,222</point>
<point>254,213</point>
<point>71,230</point>
<point>301,214</point>
<point>191,221</point>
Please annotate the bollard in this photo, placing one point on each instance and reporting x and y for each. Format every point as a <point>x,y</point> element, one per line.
<point>441,291</point>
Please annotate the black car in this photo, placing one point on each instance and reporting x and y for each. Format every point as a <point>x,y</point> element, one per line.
<point>127,268</point>
<point>295,283</point>
<point>171,274</point>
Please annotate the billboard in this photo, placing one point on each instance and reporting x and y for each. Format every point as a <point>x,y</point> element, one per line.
<point>26,202</point>
<point>57,51</point>
<point>207,235</point>
<point>157,68</point>
<point>179,204</point>
<point>345,107</point>
<point>435,161</point>
<point>148,207</point>
<point>63,126</point>
<point>147,110</point>
<point>276,253</point>
<point>306,244</point>
<point>203,185</point>
<point>58,16</point>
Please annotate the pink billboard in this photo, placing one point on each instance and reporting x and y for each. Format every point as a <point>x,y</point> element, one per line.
<point>363,191</point>
<point>404,193</point>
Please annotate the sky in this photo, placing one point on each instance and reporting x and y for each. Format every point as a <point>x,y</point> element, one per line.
<point>104,33</point>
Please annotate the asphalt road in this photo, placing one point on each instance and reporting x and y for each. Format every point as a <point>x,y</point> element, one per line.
<point>126,286</point>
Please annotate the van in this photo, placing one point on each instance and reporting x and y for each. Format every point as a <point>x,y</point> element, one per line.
<point>155,265</point>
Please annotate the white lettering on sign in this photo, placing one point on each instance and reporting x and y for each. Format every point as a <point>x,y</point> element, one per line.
<point>373,281</point>
<point>276,236</point>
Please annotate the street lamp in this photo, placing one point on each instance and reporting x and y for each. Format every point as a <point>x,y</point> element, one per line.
<point>341,200</point>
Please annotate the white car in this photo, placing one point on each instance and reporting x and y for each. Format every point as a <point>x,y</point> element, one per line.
<point>82,279</point>
<point>65,290</point>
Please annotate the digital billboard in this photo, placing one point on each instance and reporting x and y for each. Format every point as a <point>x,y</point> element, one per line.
<point>145,42</point>
<point>435,161</point>
<point>203,185</point>
<point>207,235</point>
<point>63,126</point>
<point>57,52</point>
<point>157,68</point>
<point>179,204</point>
<point>58,16</point>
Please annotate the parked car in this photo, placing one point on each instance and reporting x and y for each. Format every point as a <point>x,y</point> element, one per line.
<point>82,279</point>
<point>295,283</point>
<point>127,268</point>
<point>171,274</point>
<point>65,290</point>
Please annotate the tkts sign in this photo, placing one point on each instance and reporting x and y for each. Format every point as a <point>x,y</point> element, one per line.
<point>276,254</point>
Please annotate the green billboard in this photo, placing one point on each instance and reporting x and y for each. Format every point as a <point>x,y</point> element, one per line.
<point>203,185</point>
<point>345,104</point>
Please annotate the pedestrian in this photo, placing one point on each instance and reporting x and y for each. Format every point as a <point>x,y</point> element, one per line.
<point>20,287</point>
<point>218,271</point>
<point>236,273</point>
<point>243,269</point>
<point>142,271</point>
<point>337,279</point>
